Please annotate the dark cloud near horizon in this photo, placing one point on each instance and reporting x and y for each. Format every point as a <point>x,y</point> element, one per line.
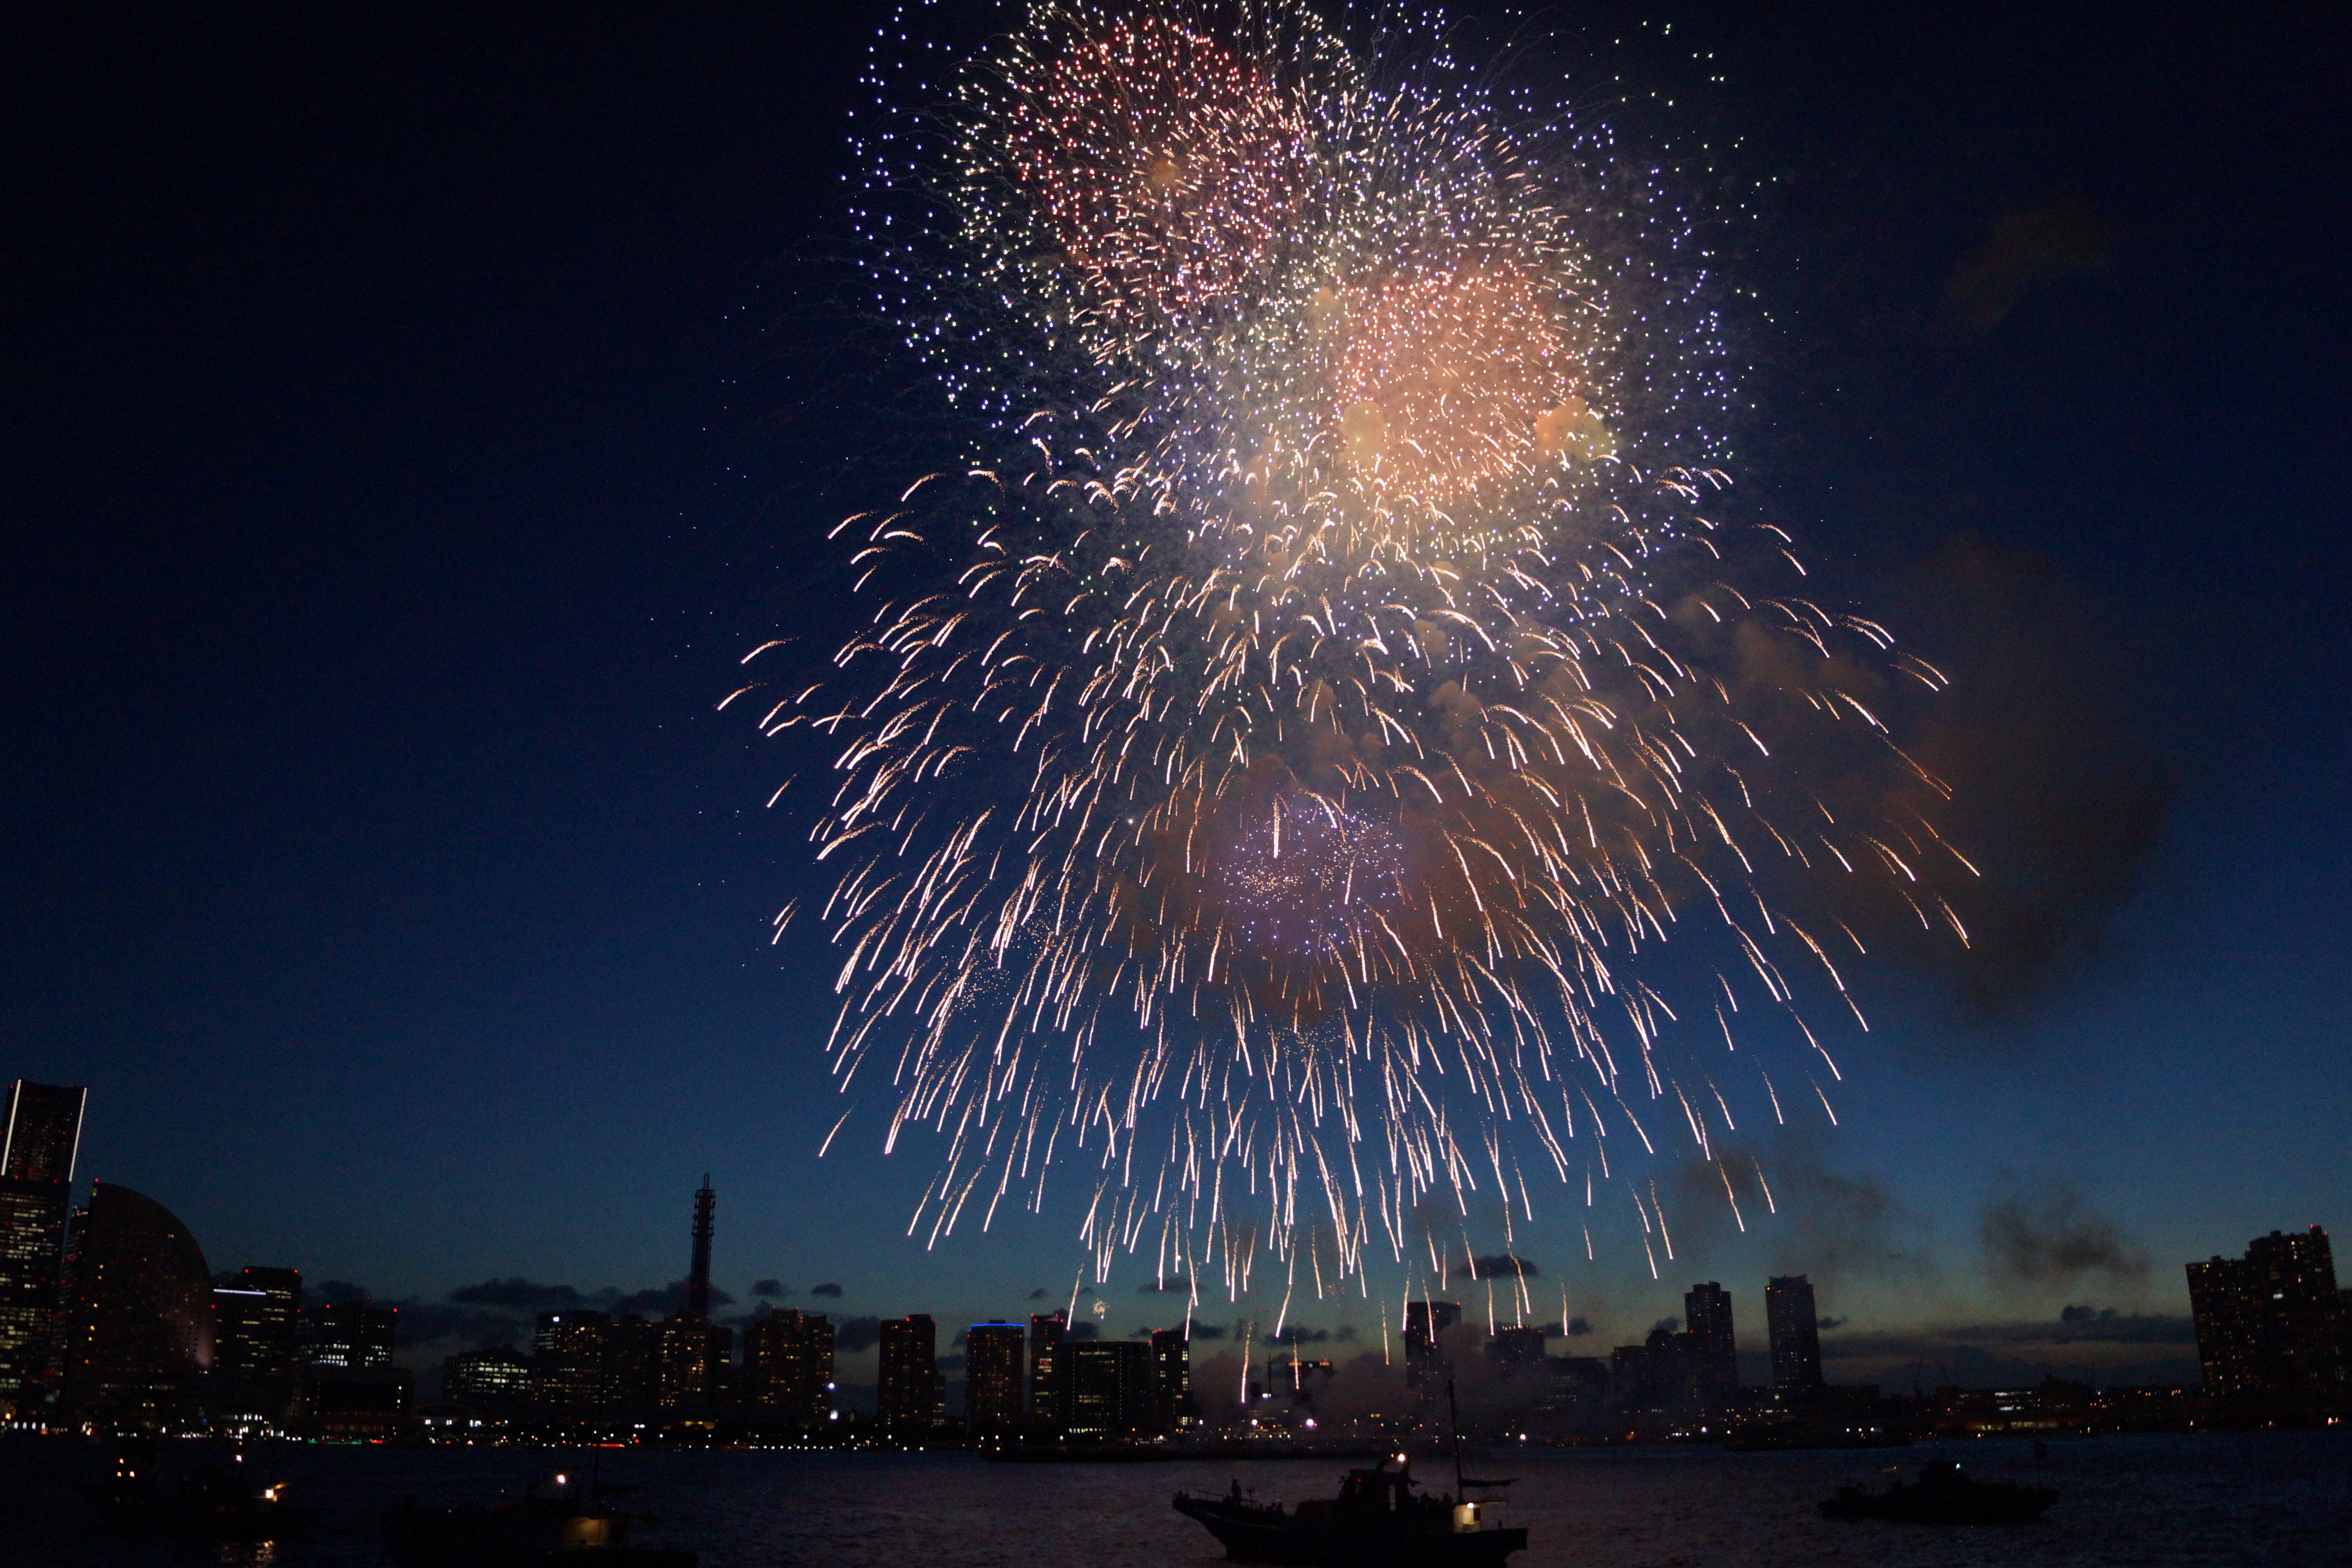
<point>827,1288</point>
<point>1168,1284</point>
<point>1579,1327</point>
<point>1496,1266</point>
<point>340,1292</point>
<point>854,1334</point>
<point>2030,248</point>
<point>669,1298</point>
<point>1039,1294</point>
<point>1208,1331</point>
<point>517,1292</point>
<point>1828,1324</point>
<point>773,1290</point>
<point>2053,1238</point>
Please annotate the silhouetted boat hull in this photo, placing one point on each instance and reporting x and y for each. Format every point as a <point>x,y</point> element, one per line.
<point>1943,1495</point>
<point>1252,1533</point>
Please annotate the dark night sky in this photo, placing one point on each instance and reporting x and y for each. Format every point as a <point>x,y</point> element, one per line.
<point>403,428</point>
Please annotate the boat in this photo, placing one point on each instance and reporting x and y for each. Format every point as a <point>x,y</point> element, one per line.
<point>1378,1520</point>
<point>211,1502</point>
<point>1944,1494</point>
<point>553,1524</point>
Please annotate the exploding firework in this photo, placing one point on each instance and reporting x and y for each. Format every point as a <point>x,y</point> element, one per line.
<point>1291,736</point>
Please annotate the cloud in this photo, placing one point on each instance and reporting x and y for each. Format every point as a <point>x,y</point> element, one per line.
<point>827,1288</point>
<point>340,1292</point>
<point>855,1334</point>
<point>517,1292</point>
<point>1039,1294</point>
<point>1300,1334</point>
<point>1208,1331</point>
<point>1497,1266</point>
<point>1826,1324</point>
<point>2110,1348</point>
<point>669,1298</point>
<point>1669,1324</point>
<point>1579,1327</point>
<point>1168,1284</point>
<point>773,1290</point>
<point>2053,1238</point>
<point>2031,248</point>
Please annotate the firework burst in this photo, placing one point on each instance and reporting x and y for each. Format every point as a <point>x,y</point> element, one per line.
<point>1286,741</point>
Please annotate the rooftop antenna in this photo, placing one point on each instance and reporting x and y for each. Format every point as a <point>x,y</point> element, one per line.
<point>698,1277</point>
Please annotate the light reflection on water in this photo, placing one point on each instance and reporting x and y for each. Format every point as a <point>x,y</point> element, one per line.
<point>2257,1499</point>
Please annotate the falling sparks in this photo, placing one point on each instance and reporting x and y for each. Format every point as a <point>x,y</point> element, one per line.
<point>1285,741</point>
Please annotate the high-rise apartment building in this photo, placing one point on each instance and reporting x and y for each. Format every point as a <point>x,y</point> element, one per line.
<point>38,1143</point>
<point>788,1366</point>
<point>1045,1333</point>
<point>1171,1380</point>
<point>347,1336</point>
<point>907,1396</point>
<point>1522,1346</point>
<point>991,1381</point>
<point>1106,1388</point>
<point>1714,1356</point>
<point>2273,1322</point>
<point>686,1362</point>
<point>1425,1323</point>
<point>137,1313</point>
<point>1795,1333</point>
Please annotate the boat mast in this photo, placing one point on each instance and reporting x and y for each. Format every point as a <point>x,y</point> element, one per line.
<point>1453,1422</point>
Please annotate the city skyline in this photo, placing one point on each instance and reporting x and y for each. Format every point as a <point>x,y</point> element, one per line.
<point>396,493</point>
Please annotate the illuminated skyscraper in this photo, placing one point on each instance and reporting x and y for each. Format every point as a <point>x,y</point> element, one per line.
<point>906,1395</point>
<point>38,1145</point>
<point>493,1377</point>
<point>788,1366</point>
<point>257,1325</point>
<point>1046,1332</point>
<point>1714,1357</point>
<point>1796,1333</point>
<point>138,1315</point>
<point>568,1359</point>
<point>1104,1388</point>
<point>991,1381</point>
<point>1171,1380</point>
<point>348,1336</point>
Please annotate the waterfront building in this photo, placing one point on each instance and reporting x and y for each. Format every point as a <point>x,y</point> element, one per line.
<point>1425,1323</point>
<point>684,1360</point>
<point>1522,1346</point>
<point>568,1359</point>
<point>633,1360</point>
<point>1171,1380</point>
<point>257,1325</point>
<point>788,1366</point>
<point>991,1381</point>
<point>347,1336</point>
<point>39,1144</point>
<point>1795,1333</point>
<point>499,1376</point>
<point>1714,1356</point>
<point>906,1394</point>
<point>2273,1322</point>
<point>1104,1387</point>
<point>137,1313</point>
<point>1045,1333</point>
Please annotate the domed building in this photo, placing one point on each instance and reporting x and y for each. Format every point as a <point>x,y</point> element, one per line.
<point>138,1313</point>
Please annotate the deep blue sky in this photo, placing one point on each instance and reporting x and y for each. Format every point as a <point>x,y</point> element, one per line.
<point>406,421</point>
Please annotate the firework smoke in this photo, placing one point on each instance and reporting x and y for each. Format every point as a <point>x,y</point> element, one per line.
<point>1282,750</point>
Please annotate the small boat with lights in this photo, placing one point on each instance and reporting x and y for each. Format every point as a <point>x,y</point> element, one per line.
<point>1379,1520</point>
